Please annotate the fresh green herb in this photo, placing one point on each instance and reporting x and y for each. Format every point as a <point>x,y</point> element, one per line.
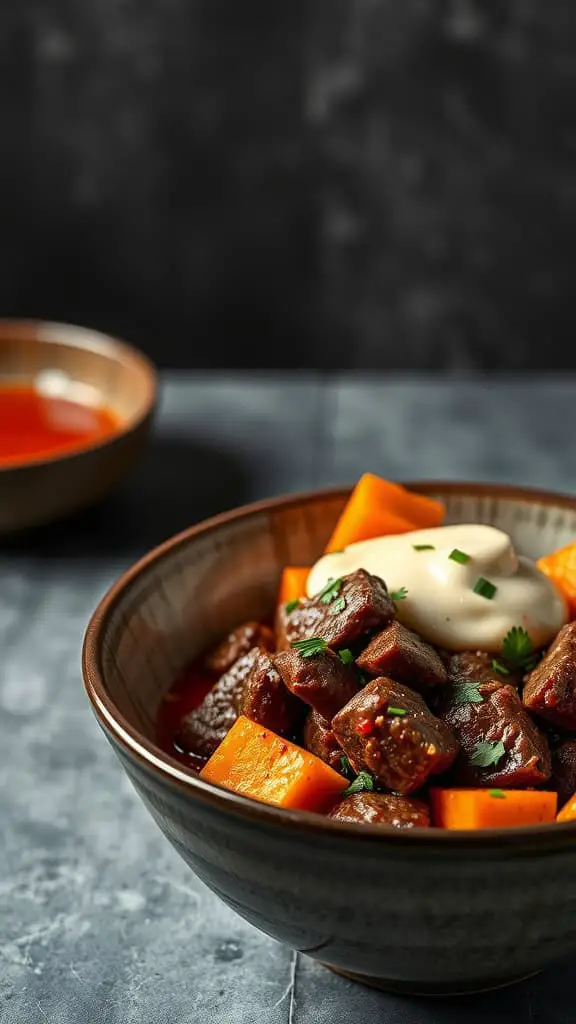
<point>423,547</point>
<point>363,677</point>
<point>346,656</point>
<point>497,794</point>
<point>363,783</point>
<point>518,649</point>
<point>399,595</point>
<point>486,754</point>
<point>307,648</point>
<point>340,552</point>
<point>330,591</point>
<point>499,667</point>
<point>484,588</point>
<point>291,605</point>
<point>339,605</point>
<point>459,556</point>
<point>346,768</point>
<point>400,712</point>
<point>468,693</point>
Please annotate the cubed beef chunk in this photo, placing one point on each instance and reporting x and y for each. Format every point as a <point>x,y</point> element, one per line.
<point>478,666</point>
<point>400,654</point>
<point>564,770</point>
<point>382,809</point>
<point>265,700</point>
<point>501,745</point>
<point>550,690</point>
<point>322,681</point>
<point>361,604</point>
<point>399,750</point>
<point>318,737</point>
<point>204,728</point>
<point>237,643</point>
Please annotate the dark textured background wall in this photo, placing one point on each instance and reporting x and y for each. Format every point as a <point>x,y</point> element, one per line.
<point>323,183</point>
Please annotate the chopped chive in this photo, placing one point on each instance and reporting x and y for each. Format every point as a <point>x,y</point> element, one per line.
<point>497,794</point>
<point>484,588</point>
<point>363,783</point>
<point>499,667</point>
<point>346,656</point>
<point>423,547</point>
<point>290,606</point>
<point>330,591</point>
<point>459,556</point>
<point>307,648</point>
<point>339,605</point>
<point>399,595</point>
<point>400,712</point>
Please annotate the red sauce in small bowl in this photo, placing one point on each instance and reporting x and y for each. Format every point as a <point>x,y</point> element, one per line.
<point>35,426</point>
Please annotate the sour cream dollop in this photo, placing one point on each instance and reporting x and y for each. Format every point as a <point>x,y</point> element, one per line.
<point>441,604</point>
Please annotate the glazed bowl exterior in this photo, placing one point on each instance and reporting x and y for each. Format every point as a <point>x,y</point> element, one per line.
<point>39,491</point>
<point>422,910</point>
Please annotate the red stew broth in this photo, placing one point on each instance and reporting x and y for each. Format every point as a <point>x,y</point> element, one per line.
<point>186,694</point>
<point>35,426</point>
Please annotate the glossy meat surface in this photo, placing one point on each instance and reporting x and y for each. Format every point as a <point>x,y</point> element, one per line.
<point>322,681</point>
<point>400,654</point>
<point>204,728</point>
<point>550,690</point>
<point>400,750</point>
<point>265,699</point>
<point>318,737</point>
<point>237,643</point>
<point>361,605</point>
<point>492,714</point>
<point>382,809</point>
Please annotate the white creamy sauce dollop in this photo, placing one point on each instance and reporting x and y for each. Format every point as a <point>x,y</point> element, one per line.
<point>441,604</point>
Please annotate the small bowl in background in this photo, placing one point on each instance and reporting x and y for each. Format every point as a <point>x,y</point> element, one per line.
<point>73,362</point>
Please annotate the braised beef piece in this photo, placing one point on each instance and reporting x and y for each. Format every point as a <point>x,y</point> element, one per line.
<point>362,604</point>
<point>478,666</point>
<point>399,750</point>
<point>204,728</point>
<point>550,690</point>
<point>564,770</point>
<point>237,643</point>
<point>400,654</point>
<point>485,716</point>
<point>265,700</point>
<point>382,809</point>
<point>318,737</point>
<point>322,680</point>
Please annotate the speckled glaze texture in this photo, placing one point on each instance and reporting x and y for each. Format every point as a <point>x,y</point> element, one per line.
<point>425,912</point>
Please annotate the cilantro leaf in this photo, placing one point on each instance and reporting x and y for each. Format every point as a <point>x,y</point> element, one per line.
<point>346,768</point>
<point>399,595</point>
<point>517,648</point>
<point>339,605</point>
<point>346,656</point>
<point>307,648</point>
<point>290,606</point>
<point>468,693</point>
<point>363,783</point>
<point>330,591</point>
<point>486,754</point>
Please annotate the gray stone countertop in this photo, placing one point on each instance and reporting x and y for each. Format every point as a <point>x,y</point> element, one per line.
<point>100,921</point>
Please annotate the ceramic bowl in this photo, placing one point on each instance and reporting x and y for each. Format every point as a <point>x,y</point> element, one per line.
<point>42,490</point>
<point>421,911</point>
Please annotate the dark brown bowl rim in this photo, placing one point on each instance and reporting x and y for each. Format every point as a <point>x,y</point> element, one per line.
<point>529,838</point>
<point>118,349</point>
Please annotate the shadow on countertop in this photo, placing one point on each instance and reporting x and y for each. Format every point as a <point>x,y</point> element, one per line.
<point>178,483</point>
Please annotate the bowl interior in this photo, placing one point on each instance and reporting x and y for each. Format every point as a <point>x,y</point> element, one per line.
<point>78,364</point>
<point>186,594</point>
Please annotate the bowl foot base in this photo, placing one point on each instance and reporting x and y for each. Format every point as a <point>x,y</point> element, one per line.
<point>407,988</point>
